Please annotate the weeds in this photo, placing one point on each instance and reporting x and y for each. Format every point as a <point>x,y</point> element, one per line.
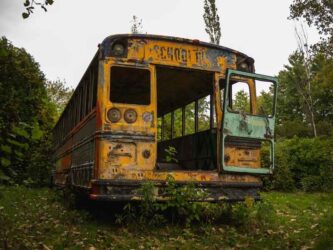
<point>171,153</point>
<point>181,207</point>
<point>179,203</point>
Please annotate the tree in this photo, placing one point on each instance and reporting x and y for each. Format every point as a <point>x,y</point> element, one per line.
<point>30,6</point>
<point>320,14</point>
<point>322,82</point>
<point>292,105</point>
<point>26,116</point>
<point>294,115</point>
<point>241,102</point>
<point>136,27</point>
<point>304,87</point>
<point>212,21</point>
<point>58,94</point>
<point>265,103</point>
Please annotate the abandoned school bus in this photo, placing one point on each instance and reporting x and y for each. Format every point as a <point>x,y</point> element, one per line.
<point>149,108</point>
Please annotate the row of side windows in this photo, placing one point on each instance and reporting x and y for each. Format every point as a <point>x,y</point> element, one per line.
<point>192,118</point>
<point>80,105</point>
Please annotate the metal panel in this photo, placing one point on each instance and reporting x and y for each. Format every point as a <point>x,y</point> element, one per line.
<point>243,126</point>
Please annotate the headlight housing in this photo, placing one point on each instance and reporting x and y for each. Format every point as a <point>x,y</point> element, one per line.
<point>118,49</point>
<point>114,115</point>
<point>130,116</point>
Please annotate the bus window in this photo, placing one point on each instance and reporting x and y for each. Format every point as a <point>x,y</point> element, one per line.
<point>240,96</point>
<point>177,123</point>
<point>190,119</point>
<point>167,127</point>
<point>130,85</point>
<point>265,93</point>
<point>204,113</point>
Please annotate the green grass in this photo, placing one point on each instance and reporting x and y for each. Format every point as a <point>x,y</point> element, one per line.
<point>38,219</point>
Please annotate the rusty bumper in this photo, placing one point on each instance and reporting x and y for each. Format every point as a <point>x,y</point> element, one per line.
<point>128,190</point>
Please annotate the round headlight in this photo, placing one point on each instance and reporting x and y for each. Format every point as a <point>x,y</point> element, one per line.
<point>118,49</point>
<point>147,116</point>
<point>130,115</point>
<point>243,66</point>
<point>114,115</point>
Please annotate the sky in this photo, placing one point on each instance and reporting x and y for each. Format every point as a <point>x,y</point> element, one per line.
<point>64,39</point>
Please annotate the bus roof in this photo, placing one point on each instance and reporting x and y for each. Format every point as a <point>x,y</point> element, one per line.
<point>110,39</point>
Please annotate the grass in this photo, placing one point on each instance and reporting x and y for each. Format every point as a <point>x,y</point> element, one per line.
<point>38,219</point>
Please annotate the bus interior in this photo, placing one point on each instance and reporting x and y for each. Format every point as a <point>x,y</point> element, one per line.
<point>186,119</point>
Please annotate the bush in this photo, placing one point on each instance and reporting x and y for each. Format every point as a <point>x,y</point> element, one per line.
<point>26,117</point>
<point>303,163</point>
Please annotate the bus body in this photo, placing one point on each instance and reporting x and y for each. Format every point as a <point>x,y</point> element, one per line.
<point>152,107</point>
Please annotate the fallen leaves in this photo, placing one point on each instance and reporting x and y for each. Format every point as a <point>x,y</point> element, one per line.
<point>39,221</point>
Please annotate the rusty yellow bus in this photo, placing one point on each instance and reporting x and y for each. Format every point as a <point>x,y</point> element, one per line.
<point>151,107</point>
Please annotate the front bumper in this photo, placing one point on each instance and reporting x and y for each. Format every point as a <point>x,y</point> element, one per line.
<point>129,190</point>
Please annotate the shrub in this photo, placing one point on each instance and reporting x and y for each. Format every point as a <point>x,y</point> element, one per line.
<point>303,163</point>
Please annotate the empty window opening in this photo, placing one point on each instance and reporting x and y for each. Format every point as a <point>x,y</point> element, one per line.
<point>130,85</point>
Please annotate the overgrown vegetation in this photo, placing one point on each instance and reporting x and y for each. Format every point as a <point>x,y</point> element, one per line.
<point>29,109</point>
<point>37,218</point>
<point>26,117</point>
<point>302,163</point>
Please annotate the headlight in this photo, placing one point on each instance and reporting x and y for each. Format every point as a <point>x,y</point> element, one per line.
<point>147,116</point>
<point>114,115</point>
<point>118,49</point>
<point>130,115</point>
<point>244,66</point>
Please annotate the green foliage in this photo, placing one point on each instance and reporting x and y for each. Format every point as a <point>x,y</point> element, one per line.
<point>293,116</point>
<point>212,21</point>
<point>26,118</point>
<point>303,163</point>
<point>241,102</point>
<point>171,154</point>
<point>265,103</point>
<point>58,94</point>
<point>319,14</point>
<point>181,201</point>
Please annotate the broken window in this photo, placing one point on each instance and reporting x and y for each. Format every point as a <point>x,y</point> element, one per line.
<point>130,85</point>
<point>240,96</point>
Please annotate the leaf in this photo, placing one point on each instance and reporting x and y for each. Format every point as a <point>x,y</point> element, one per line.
<point>6,149</point>
<point>3,176</point>
<point>36,133</point>
<point>49,2</point>
<point>18,154</point>
<point>5,162</point>
<point>18,144</point>
<point>21,132</point>
<point>25,15</point>
<point>26,3</point>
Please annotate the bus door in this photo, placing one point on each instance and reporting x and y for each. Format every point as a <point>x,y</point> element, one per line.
<point>248,131</point>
